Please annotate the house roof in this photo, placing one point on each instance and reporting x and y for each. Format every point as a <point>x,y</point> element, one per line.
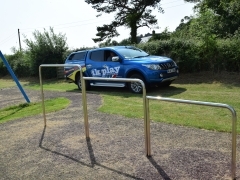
<point>145,39</point>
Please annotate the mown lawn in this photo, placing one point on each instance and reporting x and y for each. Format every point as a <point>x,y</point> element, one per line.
<point>222,88</point>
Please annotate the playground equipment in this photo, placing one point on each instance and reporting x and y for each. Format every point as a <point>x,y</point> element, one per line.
<point>145,109</point>
<point>14,77</point>
<point>219,105</point>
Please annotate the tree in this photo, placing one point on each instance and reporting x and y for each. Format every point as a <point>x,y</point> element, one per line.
<point>130,13</point>
<point>198,27</point>
<point>109,42</point>
<point>226,12</point>
<point>165,35</point>
<point>48,48</point>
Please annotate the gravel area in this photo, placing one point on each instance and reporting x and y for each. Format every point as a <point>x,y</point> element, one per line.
<point>115,149</point>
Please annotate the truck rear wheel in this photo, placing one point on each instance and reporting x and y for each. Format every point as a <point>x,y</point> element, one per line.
<point>79,84</point>
<point>136,87</point>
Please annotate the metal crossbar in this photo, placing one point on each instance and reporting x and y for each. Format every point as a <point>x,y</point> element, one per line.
<point>145,109</point>
<point>234,122</point>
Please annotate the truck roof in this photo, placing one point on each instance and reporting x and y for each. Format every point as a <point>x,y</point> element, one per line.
<point>106,48</point>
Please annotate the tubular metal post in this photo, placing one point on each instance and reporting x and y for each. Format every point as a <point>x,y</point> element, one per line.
<point>234,142</point>
<point>148,128</point>
<point>146,122</point>
<point>234,123</point>
<point>84,103</point>
<point>42,95</point>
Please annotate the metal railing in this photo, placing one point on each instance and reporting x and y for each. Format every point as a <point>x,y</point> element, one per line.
<point>41,84</point>
<point>234,123</point>
<point>145,109</point>
<point>84,98</point>
<point>117,80</point>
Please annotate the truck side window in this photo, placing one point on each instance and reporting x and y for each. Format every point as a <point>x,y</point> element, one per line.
<point>97,55</point>
<point>77,56</point>
<point>109,55</point>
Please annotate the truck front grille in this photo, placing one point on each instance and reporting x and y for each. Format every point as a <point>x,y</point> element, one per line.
<point>167,65</point>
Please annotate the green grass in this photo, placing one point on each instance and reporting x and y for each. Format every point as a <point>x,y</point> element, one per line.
<point>211,118</point>
<point>200,88</point>
<point>53,85</point>
<point>9,83</point>
<point>31,109</point>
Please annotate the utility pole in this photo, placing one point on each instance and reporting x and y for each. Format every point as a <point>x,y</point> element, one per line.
<point>19,40</point>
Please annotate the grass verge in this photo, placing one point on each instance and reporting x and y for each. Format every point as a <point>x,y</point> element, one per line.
<point>200,87</point>
<point>31,109</point>
<point>210,118</point>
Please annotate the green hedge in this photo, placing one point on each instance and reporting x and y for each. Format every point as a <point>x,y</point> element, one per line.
<point>191,55</point>
<point>3,69</point>
<point>18,62</point>
<point>199,55</point>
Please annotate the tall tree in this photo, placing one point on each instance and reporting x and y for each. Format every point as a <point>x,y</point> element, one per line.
<point>227,14</point>
<point>130,13</point>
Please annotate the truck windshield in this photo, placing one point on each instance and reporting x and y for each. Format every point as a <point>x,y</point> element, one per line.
<point>132,52</point>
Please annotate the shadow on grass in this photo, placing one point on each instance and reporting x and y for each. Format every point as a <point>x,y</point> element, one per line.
<point>124,92</point>
<point>16,110</point>
<point>227,79</point>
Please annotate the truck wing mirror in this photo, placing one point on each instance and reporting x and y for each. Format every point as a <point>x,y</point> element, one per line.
<point>115,58</point>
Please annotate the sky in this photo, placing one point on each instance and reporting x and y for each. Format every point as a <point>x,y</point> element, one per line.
<point>74,18</point>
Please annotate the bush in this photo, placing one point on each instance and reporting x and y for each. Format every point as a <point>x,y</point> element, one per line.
<point>48,48</point>
<point>195,55</point>
<point>18,63</point>
<point>3,69</point>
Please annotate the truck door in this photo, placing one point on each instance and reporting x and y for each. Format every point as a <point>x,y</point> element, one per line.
<point>99,64</point>
<point>111,65</point>
<point>94,63</point>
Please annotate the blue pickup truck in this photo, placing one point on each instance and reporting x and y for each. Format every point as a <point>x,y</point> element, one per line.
<point>121,62</point>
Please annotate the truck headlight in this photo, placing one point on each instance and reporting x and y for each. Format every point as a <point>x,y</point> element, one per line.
<point>152,66</point>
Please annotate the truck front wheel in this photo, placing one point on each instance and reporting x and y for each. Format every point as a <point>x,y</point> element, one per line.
<point>136,87</point>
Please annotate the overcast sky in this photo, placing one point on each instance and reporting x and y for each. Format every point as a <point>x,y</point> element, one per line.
<point>74,18</point>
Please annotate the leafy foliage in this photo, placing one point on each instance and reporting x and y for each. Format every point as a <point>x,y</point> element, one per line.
<point>3,69</point>
<point>207,41</point>
<point>224,16</point>
<point>196,55</point>
<point>130,13</point>
<point>47,48</point>
<point>227,13</point>
<point>19,63</point>
<point>165,35</point>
